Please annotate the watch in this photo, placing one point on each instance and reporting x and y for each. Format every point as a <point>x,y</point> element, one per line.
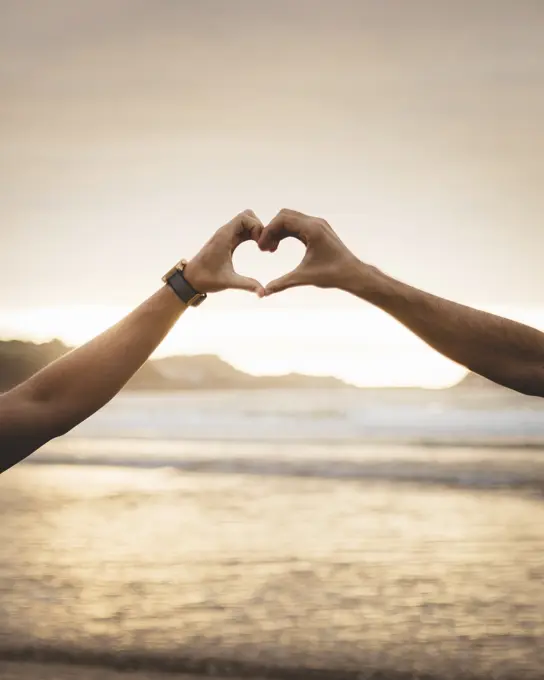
<point>181,287</point>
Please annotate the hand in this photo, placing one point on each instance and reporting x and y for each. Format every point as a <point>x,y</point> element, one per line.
<point>328,263</point>
<point>212,270</point>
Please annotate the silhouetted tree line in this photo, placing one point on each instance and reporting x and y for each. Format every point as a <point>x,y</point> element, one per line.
<point>19,360</point>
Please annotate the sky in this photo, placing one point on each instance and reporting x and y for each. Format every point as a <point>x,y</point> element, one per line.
<point>131,129</point>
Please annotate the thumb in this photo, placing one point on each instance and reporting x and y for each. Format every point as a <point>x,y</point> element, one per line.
<point>239,282</point>
<point>290,280</point>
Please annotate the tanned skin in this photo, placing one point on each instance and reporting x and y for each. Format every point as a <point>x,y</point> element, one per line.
<point>69,390</point>
<point>506,352</point>
<point>75,386</point>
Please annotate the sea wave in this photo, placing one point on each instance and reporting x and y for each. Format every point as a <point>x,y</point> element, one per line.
<point>318,416</point>
<point>469,467</point>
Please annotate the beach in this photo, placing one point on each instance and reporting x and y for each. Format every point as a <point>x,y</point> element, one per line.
<point>271,559</point>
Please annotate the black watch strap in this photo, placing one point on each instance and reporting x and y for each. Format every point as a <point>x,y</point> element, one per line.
<point>183,289</point>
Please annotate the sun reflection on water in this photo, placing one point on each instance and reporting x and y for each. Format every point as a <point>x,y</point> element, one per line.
<point>318,571</point>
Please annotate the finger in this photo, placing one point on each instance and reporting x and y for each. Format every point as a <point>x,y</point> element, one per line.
<point>286,223</point>
<point>290,280</point>
<point>248,227</point>
<point>239,282</point>
<point>273,233</point>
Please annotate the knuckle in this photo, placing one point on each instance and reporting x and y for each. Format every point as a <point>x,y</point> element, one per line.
<point>286,216</point>
<point>318,226</point>
<point>287,213</point>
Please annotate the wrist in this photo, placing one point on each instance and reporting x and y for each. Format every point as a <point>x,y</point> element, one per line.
<point>169,297</point>
<point>190,272</point>
<point>188,294</point>
<point>364,281</point>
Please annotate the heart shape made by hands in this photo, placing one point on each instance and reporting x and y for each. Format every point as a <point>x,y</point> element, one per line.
<point>249,260</point>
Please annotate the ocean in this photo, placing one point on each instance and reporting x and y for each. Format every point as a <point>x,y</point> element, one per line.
<point>280,534</point>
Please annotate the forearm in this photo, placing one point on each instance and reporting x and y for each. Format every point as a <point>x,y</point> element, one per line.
<point>75,386</point>
<point>502,350</point>
<point>79,383</point>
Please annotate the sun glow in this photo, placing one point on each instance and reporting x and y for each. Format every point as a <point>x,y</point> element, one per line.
<point>363,347</point>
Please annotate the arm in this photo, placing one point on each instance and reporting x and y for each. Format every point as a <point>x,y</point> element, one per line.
<point>502,350</point>
<point>72,388</point>
<point>75,386</point>
<point>507,352</point>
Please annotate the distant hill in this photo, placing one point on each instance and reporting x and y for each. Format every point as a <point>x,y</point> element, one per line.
<point>209,372</point>
<point>19,360</point>
<point>473,381</point>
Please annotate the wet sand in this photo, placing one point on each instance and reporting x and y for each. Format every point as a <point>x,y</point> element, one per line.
<point>175,573</point>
